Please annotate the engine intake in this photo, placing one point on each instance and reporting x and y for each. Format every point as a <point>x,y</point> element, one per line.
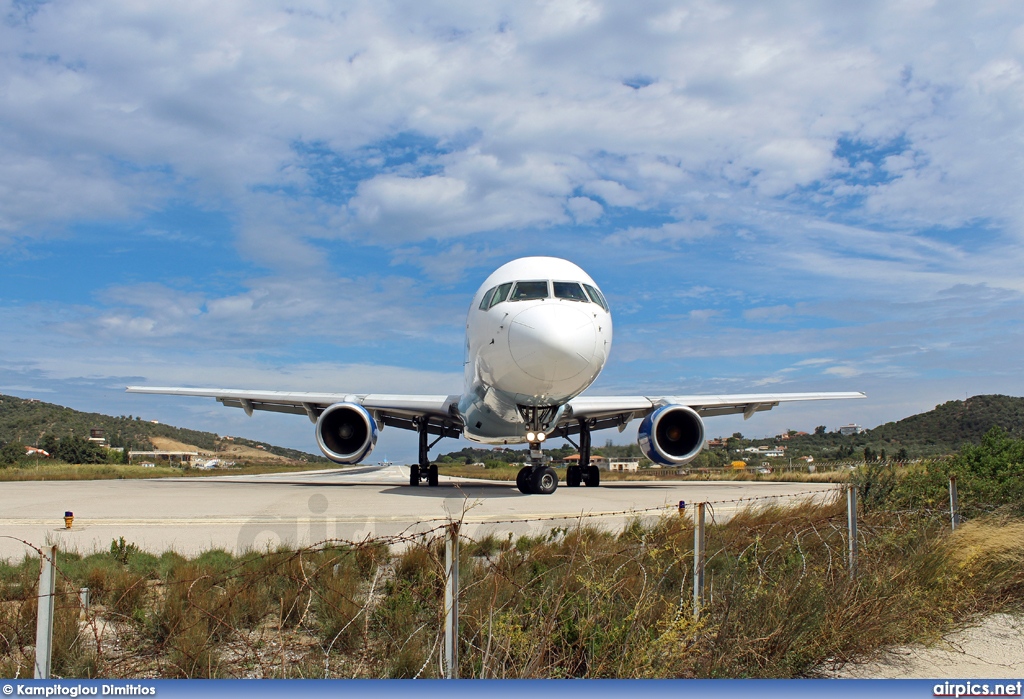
<point>672,435</point>
<point>346,433</point>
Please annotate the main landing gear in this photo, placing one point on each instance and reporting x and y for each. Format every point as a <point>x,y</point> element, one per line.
<point>424,470</point>
<point>584,473</point>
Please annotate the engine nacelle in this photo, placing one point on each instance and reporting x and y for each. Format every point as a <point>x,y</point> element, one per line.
<point>672,435</point>
<point>346,433</point>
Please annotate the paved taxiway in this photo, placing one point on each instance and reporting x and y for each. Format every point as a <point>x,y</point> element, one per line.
<point>240,512</point>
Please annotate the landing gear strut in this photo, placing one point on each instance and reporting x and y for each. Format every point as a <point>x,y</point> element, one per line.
<point>584,474</point>
<point>537,478</point>
<point>424,470</point>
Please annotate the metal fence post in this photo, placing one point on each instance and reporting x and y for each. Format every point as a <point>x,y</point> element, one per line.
<point>44,617</point>
<point>851,526</point>
<point>698,560</point>
<point>451,602</point>
<point>954,503</point>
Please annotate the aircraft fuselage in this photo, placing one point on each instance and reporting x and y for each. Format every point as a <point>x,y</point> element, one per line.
<point>538,334</point>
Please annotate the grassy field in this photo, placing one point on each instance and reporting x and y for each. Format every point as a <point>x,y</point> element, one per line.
<point>50,471</point>
<point>575,602</point>
<point>46,470</point>
<point>508,473</point>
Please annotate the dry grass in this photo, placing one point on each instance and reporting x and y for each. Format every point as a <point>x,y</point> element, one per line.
<point>569,603</point>
<point>49,471</point>
<point>508,473</point>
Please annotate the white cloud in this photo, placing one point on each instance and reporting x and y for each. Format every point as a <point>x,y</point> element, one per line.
<point>220,104</point>
<point>667,232</point>
<point>844,370</point>
<point>702,315</point>
<point>584,209</point>
<point>704,139</point>
<point>768,313</point>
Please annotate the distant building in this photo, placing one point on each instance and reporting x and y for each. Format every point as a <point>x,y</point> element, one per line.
<point>574,460</point>
<point>850,429</point>
<point>184,458</point>
<point>96,436</point>
<point>623,465</point>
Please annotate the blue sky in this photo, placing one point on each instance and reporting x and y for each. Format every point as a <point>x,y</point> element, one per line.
<point>783,197</point>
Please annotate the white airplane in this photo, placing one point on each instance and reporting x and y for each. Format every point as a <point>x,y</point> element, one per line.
<point>538,334</point>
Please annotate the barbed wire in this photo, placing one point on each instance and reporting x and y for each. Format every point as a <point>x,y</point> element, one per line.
<point>307,567</point>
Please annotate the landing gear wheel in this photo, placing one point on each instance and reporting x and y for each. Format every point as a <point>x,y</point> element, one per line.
<point>432,475</point>
<point>573,476</point>
<point>544,481</point>
<point>414,475</point>
<point>523,480</point>
<point>592,478</point>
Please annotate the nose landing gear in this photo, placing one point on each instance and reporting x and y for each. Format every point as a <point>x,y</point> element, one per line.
<point>537,479</point>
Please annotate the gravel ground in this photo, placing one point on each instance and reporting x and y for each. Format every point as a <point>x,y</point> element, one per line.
<point>991,649</point>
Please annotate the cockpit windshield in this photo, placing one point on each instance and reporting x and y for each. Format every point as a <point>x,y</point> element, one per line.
<point>527,291</point>
<point>500,294</point>
<point>539,289</point>
<point>596,296</point>
<point>569,290</point>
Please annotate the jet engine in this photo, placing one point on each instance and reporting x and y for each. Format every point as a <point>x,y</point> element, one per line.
<point>672,435</point>
<point>346,433</point>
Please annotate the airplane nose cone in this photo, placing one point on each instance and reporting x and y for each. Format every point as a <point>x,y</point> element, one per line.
<point>552,342</point>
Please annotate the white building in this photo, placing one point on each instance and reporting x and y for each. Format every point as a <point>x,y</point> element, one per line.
<point>624,465</point>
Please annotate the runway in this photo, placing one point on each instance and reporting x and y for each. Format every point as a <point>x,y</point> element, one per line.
<point>236,513</point>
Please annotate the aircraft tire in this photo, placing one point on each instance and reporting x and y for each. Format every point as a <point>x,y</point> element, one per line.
<point>414,475</point>
<point>592,479</point>
<point>432,475</point>
<point>523,480</point>
<point>573,476</point>
<point>544,481</point>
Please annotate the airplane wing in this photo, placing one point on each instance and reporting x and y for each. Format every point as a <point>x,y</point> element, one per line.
<point>612,411</point>
<point>392,410</point>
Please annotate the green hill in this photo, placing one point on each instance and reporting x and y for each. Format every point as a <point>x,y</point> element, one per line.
<point>958,421</point>
<point>29,421</point>
<point>938,432</point>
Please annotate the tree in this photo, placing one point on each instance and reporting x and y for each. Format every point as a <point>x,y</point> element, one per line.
<point>869,454</point>
<point>49,444</point>
<point>819,430</point>
<point>78,450</point>
<point>11,453</point>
